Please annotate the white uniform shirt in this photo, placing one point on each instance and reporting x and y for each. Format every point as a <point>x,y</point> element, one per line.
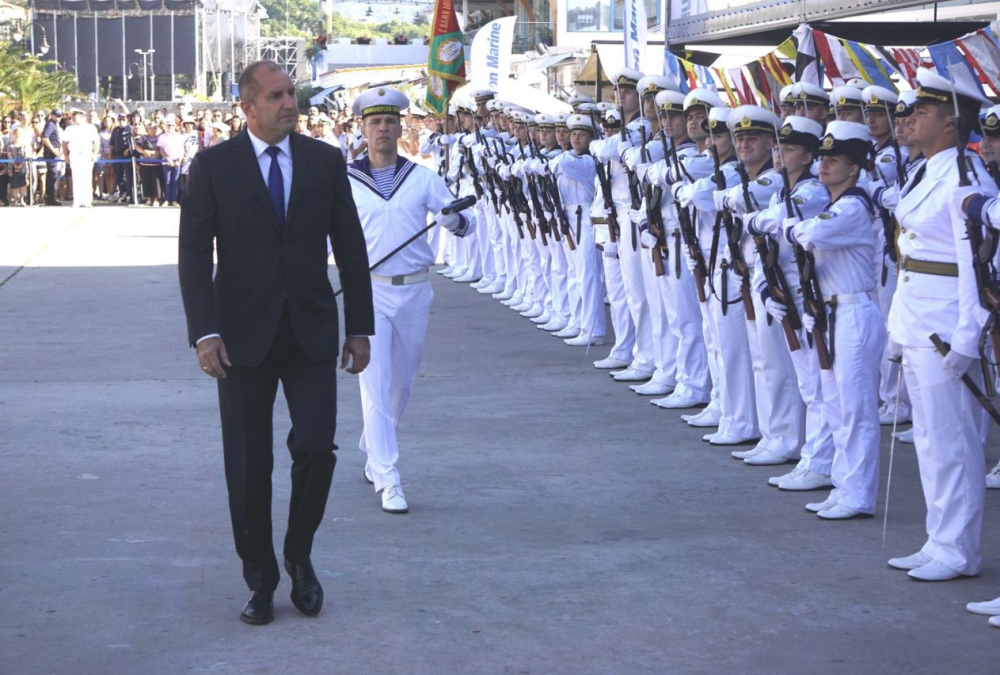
<point>417,192</point>
<point>80,138</point>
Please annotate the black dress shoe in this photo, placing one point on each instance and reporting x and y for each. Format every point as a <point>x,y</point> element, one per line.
<point>307,594</point>
<point>259,609</point>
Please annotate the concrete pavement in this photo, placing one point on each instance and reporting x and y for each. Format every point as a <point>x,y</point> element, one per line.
<point>559,523</point>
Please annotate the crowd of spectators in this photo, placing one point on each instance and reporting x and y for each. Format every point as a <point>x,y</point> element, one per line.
<point>150,151</point>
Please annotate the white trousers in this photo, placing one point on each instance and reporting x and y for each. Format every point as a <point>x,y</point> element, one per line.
<point>663,340</point>
<point>589,270</point>
<point>621,318</point>
<point>482,238</point>
<point>948,427</point>
<point>684,321</point>
<point>817,450</point>
<point>889,371</point>
<point>629,255</point>
<point>784,428</point>
<point>83,180</point>
<point>850,401</point>
<point>512,255</point>
<point>709,331</point>
<point>396,349</point>
<point>737,397</point>
<point>496,241</point>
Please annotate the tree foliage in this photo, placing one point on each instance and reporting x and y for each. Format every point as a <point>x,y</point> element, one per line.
<point>29,83</point>
<point>303,21</point>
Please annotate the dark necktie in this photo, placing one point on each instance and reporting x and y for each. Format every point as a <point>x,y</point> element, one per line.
<point>276,185</point>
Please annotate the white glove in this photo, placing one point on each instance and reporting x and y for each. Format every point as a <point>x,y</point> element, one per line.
<point>956,364</point>
<point>647,239</point>
<point>637,216</point>
<point>450,221</point>
<point>631,158</point>
<point>775,309</point>
<point>895,350</point>
<point>548,216</point>
<point>445,139</point>
<point>719,197</point>
<point>504,171</point>
<point>622,146</point>
<point>675,190</point>
<point>808,322</point>
<point>689,262</point>
<point>611,250</point>
<point>468,140</point>
<point>641,170</point>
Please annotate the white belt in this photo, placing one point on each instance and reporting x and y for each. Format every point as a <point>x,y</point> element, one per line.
<point>402,279</point>
<point>847,298</point>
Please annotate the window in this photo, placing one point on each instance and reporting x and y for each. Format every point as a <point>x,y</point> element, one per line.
<point>603,15</point>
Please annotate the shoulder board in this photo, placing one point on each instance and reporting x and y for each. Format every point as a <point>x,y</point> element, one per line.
<point>887,158</point>
<point>826,215</point>
<point>764,181</point>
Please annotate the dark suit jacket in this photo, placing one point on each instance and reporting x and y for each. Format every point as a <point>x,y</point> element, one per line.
<point>262,265</point>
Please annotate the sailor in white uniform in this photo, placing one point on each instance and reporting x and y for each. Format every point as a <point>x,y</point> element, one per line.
<point>937,294</point>
<point>394,197</point>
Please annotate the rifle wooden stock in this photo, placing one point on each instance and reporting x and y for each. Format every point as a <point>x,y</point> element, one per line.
<point>792,322</point>
<point>747,296</point>
<point>791,335</point>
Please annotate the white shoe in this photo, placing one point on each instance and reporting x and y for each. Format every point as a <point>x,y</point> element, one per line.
<point>679,400</point>
<point>492,289</point>
<point>393,500</point>
<point>816,507</point>
<point>995,621</point>
<point>746,454</point>
<point>632,374</point>
<point>584,340</point>
<point>542,318</point>
<point>730,439</point>
<point>513,300</point>
<point>933,571</point>
<point>775,481</point>
<point>610,363</point>
<point>993,478</point>
<point>533,312</point>
<point>910,562</point>
<point>709,417</point>
<point>456,273</point>
<point>988,608</point>
<point>841,512</point>
<point>767,457</point>
<point>368,474</point>
<point>445,271</point>
<point>555,325</point>
<point>503,295</point>
<point>569,332</point>
<point>485,282</point>
<point>904,436</point>
<point>468,277</point>
<point>652,388</point>
<point>806,480</point>
<point>887,418</point>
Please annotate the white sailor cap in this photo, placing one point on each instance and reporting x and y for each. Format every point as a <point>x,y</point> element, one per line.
<point>717,120</point>
<point>380,101</point>
<point>417,112</point>
<point>879,98</point>
<point>578,99</point>
<point>324,119</point>
<point>787,95</point>
<point>991,122</point>
<point>545,121</point>
<point>76,111</point>
<point>669,101</point>
<point>703,98</point>
<point>494,105</point>
<point>513,110</point>
<point>651,85</point>
<point>483,95</point>
<point>904,106</point>
<point>466,105</point>
<point>857,83</point>
<point>845,138</point>
<point>170,119</point>
<point>625,77</point>
<point>846,96</point>
<point>586,107</point>
<point>810,93</point>
<point>932,87</point>
<point>797,130</point>
<point>187,119</point>
<point>611,119</point>
<point>580,122</point>
<point>604,106</point>
<point>752,118</point>
<point>561,119</point>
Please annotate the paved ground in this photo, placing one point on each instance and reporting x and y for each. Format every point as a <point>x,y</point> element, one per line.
<point>559,523</point>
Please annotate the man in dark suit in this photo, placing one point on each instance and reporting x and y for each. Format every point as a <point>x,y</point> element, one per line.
<point>269,200</point>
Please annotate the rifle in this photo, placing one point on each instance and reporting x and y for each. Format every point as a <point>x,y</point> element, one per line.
<point>812,296</point>
<point>536,204</point>
<point>549,183</point>
<point>688,232</point>
<point>776,281</point>
<point>633,183</point>
<point>602,177</point>
<point>653,216</point>
<point>984,248</point>
<point>726,219</point>
<point>489,171</point>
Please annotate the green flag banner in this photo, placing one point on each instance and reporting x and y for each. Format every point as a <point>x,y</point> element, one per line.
<point>446,59</point>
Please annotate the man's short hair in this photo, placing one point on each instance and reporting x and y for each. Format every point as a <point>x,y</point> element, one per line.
<point>247,85</point>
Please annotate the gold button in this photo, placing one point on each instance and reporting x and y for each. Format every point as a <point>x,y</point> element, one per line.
<point>912,235</point>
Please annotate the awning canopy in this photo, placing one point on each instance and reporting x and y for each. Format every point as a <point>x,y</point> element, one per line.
<point>323,95</point>
<point>612,57</point>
